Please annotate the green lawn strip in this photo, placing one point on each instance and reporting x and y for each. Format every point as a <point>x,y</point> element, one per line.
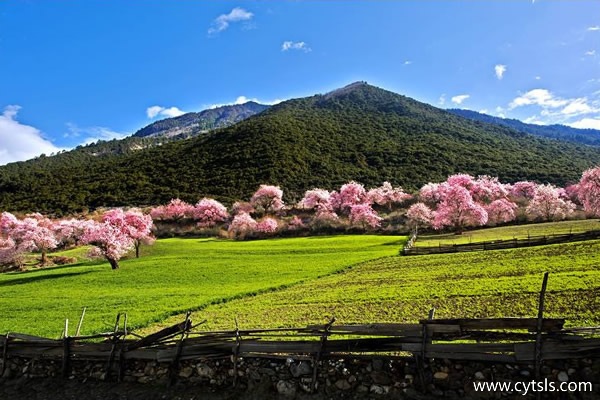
<point>173,276</point>
<point>403,289</point>
<point>508,232</point>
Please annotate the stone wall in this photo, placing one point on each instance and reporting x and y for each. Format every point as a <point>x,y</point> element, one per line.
<point>376,377</point>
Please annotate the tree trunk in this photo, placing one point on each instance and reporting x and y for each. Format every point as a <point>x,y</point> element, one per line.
<point>114,264</point>
<point>44,260</point>
<point>137,249</point>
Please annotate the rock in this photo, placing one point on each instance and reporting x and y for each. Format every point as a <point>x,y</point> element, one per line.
<point>267,371</point>
<point>204,371</point>
<point>298,370</point>
<point>563,376</point>
<point>440,375</point>
<point>286,388</point>
<point>186,372</point>
<point>343,384</point>
<point>376,389</point>
<point>380,378</point>
<point>409,377</point>
<point>525,373</point>
<point>352,379</point>
<point>571,371</point>
<point>378,364</point>
<point>479,376</point>
<point>144,379</point>
<point>362,389</point>
<point>253,375</point>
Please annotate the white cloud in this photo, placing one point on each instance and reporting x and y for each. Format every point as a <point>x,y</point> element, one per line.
<point>407,62</point>
<point>586,123</point>
<point>19,142</point>
<point>155,111</point>
<point>500,70</point>
<point>244,100</point>
<point>534,120</point>
<point>483,111</point>
<point>594,28</point>
<point>460,98</point>
<point>442,99</point>
<point>577,106</point>
<point>222,21</point>
<point>537,78</point>
<point>540,97</point>
<point>93,133</point>
<point>289,45</point>
<point>590,53</point>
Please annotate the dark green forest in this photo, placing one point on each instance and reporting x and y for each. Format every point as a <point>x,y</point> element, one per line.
<point>360,133</point>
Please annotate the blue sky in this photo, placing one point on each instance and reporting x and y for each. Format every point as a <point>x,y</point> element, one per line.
<point>72,72</point>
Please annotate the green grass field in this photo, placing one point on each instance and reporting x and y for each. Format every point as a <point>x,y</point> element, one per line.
<point>508,232</point>
<point>173,276</point>
<point>395,289</point>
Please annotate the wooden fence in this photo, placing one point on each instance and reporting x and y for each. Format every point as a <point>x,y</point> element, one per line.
<point>502,244</point>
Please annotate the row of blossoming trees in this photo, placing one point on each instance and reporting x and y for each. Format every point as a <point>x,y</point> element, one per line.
<point>113,235</point>
<point>459,202</point>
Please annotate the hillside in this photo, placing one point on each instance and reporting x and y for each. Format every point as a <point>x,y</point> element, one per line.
<point>558,132</point>
<point>358,133</point>
<point>196,122</point>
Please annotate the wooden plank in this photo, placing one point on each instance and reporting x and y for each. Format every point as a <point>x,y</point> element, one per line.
<point>549,324</point>
<point>153,338</point>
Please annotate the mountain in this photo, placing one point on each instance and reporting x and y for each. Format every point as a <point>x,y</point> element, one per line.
<point>359,132</point>
<point>197,122</point>
<point>558,132</point>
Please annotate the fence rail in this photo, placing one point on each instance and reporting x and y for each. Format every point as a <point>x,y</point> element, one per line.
<point>502,244</point>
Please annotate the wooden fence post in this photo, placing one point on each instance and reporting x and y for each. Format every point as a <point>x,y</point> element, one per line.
<point>421,359</point>
<point>111,356</point>
<point>317,358</point>
<point>66,365</point>
<point>122,351</point>
<point>236,352</point>
<point>4,354</point>
<point>80,322</point>
<point>175,364</point>
<point>538,339</point>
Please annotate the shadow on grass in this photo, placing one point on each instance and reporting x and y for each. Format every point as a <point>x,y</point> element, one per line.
<point>31,279</point>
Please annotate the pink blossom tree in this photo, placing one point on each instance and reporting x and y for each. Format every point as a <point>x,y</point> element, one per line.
<point>419,215</point>
<point>33,233</point>
<point>242,207</point>
<point>10,254</point>
<point>387,195</point>
<point>267,199</point>
<point>432,193</point>
<point>589,191</point>
<point>111,241</point>
<point>486,189</point>
<point>458,210</point>
<point>350,194</point>
<point>523,191</point>
<point>133,224</point>
<point>364,215</point>
<point>295,224</point>
<point>501,211</point>
<point>267,225</point>
<point>176,210</point>
<point>209,212</point>
<point>548,204</point>
<point>242,225</point>
<point>316,199</point>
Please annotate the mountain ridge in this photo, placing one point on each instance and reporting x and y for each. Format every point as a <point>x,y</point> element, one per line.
<point>362,133</point>
<point>554,131</point>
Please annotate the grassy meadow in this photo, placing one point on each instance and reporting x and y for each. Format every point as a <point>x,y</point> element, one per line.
<point>173,276</point>
<point>508,232</point>
<point>300,281</point>
<point>395,289</point>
